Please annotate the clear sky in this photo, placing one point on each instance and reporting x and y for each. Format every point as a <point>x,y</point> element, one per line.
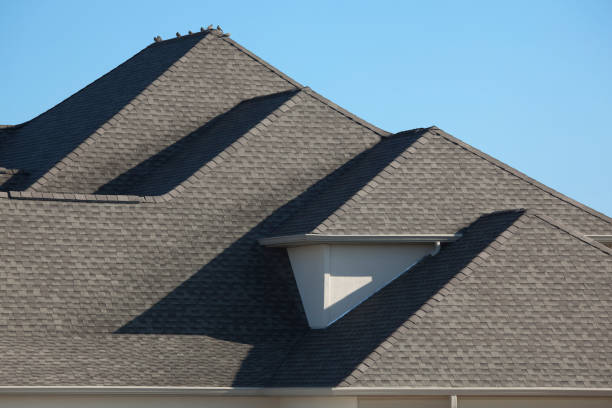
<point>528,82</point>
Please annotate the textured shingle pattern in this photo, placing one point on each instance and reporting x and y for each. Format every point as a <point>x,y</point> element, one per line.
<point>189,265</point>
<point>211,78</point>
<point>130,252</point>
<point>431,183</point>
<point>516,302</point>
<point>39,144</point>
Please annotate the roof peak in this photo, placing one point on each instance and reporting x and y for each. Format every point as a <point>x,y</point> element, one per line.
<point>217,31</point>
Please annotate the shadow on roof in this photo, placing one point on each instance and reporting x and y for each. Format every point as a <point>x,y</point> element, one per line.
<point>351,178</point>
<point>247,295</point>
<point>167,169</point>
<point>327,357</point>
<point>37,145</point>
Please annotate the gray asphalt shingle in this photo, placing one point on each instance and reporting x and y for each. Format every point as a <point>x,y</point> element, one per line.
<point>131,213</point>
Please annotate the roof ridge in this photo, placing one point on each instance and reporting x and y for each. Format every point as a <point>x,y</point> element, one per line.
<point>437,131</point>
<point>231,149</point>
<point>72,197</point>
<point>570,231</point>
<point>465,273</point>
<point>261,61</point>
<point>158,39</point>
<point>98,133</point>
<point>348,114</point>
<point>19,125</point>
<point>372,184</point>
<point>222,156</point>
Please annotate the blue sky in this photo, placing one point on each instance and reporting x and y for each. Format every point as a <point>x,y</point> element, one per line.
<point>528,82</point>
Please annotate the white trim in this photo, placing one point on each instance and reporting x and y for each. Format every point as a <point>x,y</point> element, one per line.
<point>314,391</point>
<point>309,239</point>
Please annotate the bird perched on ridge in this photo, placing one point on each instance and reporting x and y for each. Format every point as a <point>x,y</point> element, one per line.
<point>210,27</point>
<point>219,29</point>
<point>178,34</point>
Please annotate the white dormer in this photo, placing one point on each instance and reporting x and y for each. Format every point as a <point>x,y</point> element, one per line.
<point>336,273</point>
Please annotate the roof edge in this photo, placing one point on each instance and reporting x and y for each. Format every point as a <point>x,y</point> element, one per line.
<point>437,131</point>
<point>68,160</point>
<point>311,239</point>
<point>261,61</point>
<point>568,230</point>
<point>346,113</point>
<point>306,391</point>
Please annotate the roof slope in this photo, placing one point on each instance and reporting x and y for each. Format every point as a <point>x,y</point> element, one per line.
<point>427,182</point>
<point>153,100</point>
<point>518,301</point>
<point>37,145</point>
<point>74,272</point>
<point>130,253</point>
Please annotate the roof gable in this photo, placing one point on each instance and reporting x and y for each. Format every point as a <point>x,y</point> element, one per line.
<point>427,182</point>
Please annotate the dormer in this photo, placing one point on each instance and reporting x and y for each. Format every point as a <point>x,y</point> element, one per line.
<point>335,273</point>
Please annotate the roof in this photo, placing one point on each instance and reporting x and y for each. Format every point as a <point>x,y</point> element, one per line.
<point>518,301</point>
<point>427,182</point>
<point>132,213</point>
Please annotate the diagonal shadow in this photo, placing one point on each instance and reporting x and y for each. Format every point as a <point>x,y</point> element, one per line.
<point>247,293</point>
<point>36,146</point>
<point>327,357</point>
<point>173,165</point>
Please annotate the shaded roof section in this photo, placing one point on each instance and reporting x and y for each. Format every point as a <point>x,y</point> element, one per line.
<point>173,165</point>
<point>37,145</point>
<point>518,301</point>
<point>427,182</point>
<point>498,308</point>
<point>173,289</point>
<point>158,97</point>
<point>89,285</point>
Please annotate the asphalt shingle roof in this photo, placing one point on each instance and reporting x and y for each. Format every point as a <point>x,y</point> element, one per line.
<point>131,213</point>
<point>518,301</point>
<point>426,181</point>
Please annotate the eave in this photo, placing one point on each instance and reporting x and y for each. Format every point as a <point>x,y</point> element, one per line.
<point>312,239</point>
<point>308,391</point>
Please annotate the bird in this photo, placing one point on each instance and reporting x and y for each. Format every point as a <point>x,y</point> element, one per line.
<point>210,27</point>
<point>190,32</point>
<point>178,34</point>
<point>219,29</point>
<point>202,29</point>
<point>157,39</point>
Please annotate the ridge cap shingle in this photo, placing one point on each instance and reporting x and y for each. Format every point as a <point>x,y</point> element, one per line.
<point>570,231</point>
<point>387,171</point>
<point>91,139</point>
<point>234,147</point>
<point>261,61</point>
<point>437,131</point>
<point>348,114</point>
